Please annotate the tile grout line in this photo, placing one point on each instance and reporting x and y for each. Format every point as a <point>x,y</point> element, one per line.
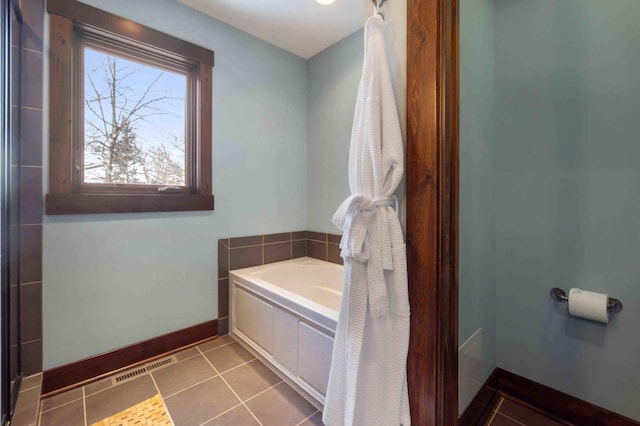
<point>493,416</point>
<point>228,274</point>
<point>261,392</point>
<point>218,347</point>
<point>495,411</point>
<point>148,372</point>
<point>84,406</point>
<point>237,366</point>
<point>262,243</point>
<point>178,361</point>
<point>249,246</point>
<point>29,107</point>
<point>121,383</point>
<point>517,402</point>
<point>267,244</point>
<point>222,414</point>
<point>37,406</point>
<point>193,385</point>
<point>28,389</point>
<point>112,386</point>
<point>31,283</point>
<point>307,418</point>
<point>230,388</point>
<point>161,398</point>
<point>30,341</point>
<point>28,49</point>
<point>39,419</point>
<point>510,418</point>
<point>65,404</point>
<point>277,242</point>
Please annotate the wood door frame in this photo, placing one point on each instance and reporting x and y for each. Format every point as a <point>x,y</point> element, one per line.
<point>432,210</point>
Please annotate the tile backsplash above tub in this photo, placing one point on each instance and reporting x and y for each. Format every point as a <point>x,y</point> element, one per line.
<point>255,250</point>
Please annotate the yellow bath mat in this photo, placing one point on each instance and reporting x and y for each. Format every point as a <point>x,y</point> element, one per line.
<point>149,412</point>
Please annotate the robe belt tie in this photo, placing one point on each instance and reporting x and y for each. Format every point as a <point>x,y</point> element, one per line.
<point>366,239</point>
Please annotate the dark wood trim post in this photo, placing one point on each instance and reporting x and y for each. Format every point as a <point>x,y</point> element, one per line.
<point>432,210</point>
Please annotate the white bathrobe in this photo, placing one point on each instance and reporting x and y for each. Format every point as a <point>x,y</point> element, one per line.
<point>368,378</point>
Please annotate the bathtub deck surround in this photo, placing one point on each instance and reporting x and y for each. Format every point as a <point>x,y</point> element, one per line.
<point>286,313</point>
<point>215,383</point>
<point>245,252</point>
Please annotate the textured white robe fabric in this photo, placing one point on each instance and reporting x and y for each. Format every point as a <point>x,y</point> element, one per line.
<point>368,377</point>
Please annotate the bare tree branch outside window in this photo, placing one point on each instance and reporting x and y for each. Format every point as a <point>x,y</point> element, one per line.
<point>134,117</point>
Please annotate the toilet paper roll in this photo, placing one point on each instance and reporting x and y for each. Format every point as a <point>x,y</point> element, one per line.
<point>589,305</point>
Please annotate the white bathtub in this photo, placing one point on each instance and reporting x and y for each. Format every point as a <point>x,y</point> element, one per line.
<point>286,312</point>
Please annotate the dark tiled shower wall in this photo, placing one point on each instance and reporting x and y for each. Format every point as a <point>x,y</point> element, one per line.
<point>31,186</point>
<point>244,252</point>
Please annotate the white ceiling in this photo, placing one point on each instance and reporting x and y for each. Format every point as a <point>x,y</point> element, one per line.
<point>302,27</point>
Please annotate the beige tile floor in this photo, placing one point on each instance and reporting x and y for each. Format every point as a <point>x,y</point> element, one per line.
<point>216,383</point>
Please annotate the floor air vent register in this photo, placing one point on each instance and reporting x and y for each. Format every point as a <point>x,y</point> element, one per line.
<point>132,374</point>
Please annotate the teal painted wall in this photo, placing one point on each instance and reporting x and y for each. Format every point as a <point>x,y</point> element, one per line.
<point>568,192</point>
<point>477,270</point>
<point>112,280</point>
<point>333,76</point>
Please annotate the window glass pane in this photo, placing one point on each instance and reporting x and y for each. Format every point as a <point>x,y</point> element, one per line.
<point>134,122</point>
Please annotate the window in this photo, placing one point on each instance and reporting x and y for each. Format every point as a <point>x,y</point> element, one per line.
<point>130,116</point>
<point>131,121</point>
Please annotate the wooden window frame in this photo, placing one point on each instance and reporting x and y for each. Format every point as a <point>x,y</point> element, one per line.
<point>72,24</point>
<point>87,38</point>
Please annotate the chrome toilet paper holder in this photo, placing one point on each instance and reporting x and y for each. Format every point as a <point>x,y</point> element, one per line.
<point>558,294</point>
